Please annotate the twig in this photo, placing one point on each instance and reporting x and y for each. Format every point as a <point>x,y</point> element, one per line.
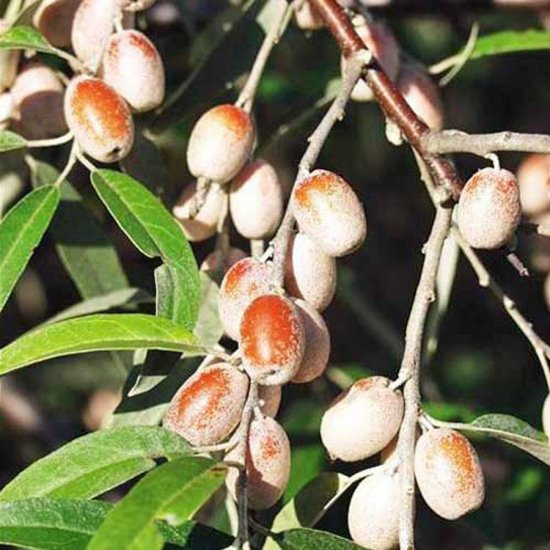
<point>248,93</point>
<point>410,367</point>
<point>354,69</point>
<point>200,196</point>
<point>455,141</point>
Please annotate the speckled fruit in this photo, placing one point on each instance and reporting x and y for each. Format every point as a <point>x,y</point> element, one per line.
<point>6,109</point>
<point>329,212</point>
<point>136,5</point>
<point>54,19</point>
<point>317,349</point>
<point>546,416</point>
<point>381,43</point>
<point>256,201</point>
<point>489,208</point>
<point>208,407</point>
<point>267,464</point>
<point>307,18</point>
<point>270,399</point>
<point>272,338</point>
<point>204,224</point>
<point>310,274</point>
<point>133,67</point>
<point>373,515</point>
<point>422,95</point>
<point>534,184</point>
<point>99,118</point>
<point>448,473</point>
<point>244,282</point>
<point>390,452</point>
<point>221,143</point>
<point>37,95</point>
<point>9,60</point>
<point>215,262</point>
<point>361,421</point>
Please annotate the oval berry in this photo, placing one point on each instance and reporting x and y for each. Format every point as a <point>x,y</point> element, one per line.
<point>534,184</point>
<point>489,208</point>
<point>208,407</point>
<point>99,118</point>
<point>329,212</point>
<point>422,95</point>
<point>317,348</point>
<point>204,224</point>
<point>9,60</point>
<point>546,416</point>
<point>448,473</point>
<point>136,5</point>
<point>54,19</point>
<point>133,67</point>
<point>310,274</point>
<point>272,339</point>
<point>256,201</point>
<point>220,144</point>
<point>307,18</point>
<point>216,262</point>
<point>270,399</point>
<point>345,433</point>
<point>267,464</point>
<point>373,515</point>
<point>245,281</point>
<point>6,109</point>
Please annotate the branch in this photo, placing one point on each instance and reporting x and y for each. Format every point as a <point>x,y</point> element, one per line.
<point>455,141</point>
<point>410,368</point>
<point>443,6</point>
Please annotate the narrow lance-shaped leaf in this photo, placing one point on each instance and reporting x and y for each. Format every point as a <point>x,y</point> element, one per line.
<point>95,463</point>
<point>25,38</point>
<point>10,141</point>
<point>172,492</point>
<point>20,232</point>
<point>306,539</point>
<point>504,42</point>
<point>96,333</point>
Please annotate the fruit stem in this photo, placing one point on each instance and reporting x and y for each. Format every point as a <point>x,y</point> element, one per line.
<point>53,142</point>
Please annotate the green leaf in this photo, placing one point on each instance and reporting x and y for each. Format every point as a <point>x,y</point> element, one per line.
<point>116,299</point>
<point>504,42</point>
<point>193,535</point>
<point>93,464</point>
<point>83,247</point>
<point>307,462</point>
<point>20,232</point>
<point>155,233</point>
<point>510,430</point>
<point>116,331</point>
<point>25,38</point>
<point>306,508</point>
<point>306,539</point>
<point>50,524</point>
<point>172,492</point>
<point>209,328</point>
<point>10,141</point>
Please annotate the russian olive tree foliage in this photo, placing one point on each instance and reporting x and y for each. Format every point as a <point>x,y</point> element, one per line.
<point>208,249</point>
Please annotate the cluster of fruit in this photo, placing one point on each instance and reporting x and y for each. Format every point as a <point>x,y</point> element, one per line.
<point>121,72</point>
<point>447,468</point>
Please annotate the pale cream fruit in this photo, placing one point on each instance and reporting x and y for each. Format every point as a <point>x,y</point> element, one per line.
<point>361,421</point>
<point>221,143</point>
<point>329,212</point>
<point>54,19</point>
<point>546,416</point>
<point>272,338</point>
<point>256,201</point>
<point>99,118</point>
<point>390,452</point>
<point>373,515</point>
<point>204,224</point>
<point>133,67</point>
<point>448,473</point>
<point>267,464</point>
<point>489,208</point>
<point>317,349</point>
<point>422,95</point>
<point>6,110</point>
<point>534,184</point>
<point>9,61</point>
<point>136,5</point>
<point>310,274</point>
<point>208,407</point>
<point>245,281</point>
<point>547,290</point>
<point>380,41</point>
<point>216,262</point>
<point>270,399</point>
<point>37,95</point>
<point>307,18</point>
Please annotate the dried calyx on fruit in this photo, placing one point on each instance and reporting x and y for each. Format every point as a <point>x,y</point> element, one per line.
<point>448,473</point>
<point>221,143</point>
<point>345,433</point>
<point>329,212</point>
<point>208,407</point>
<point>272,338</point>
<point>489,208</point>
<point>267,464</point>
<point>99,118</point>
